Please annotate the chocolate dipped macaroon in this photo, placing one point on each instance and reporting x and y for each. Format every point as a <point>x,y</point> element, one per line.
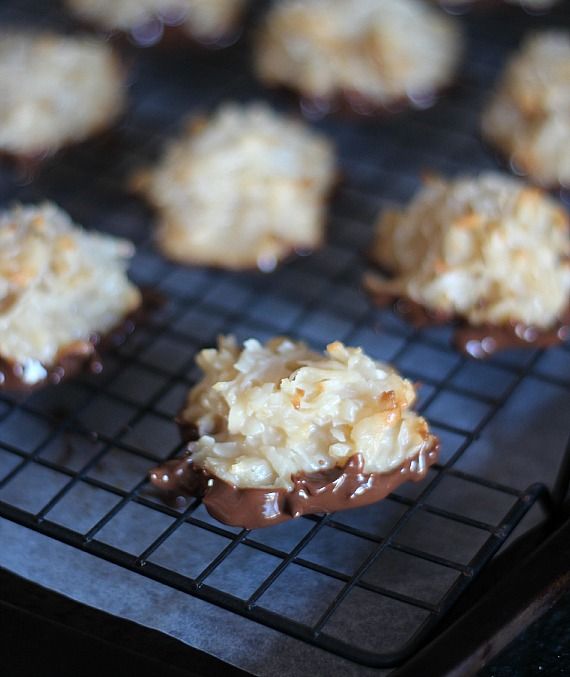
<point>210,22</point>
<point>278,431</point>
<point>240,189</point>
<point>488,253</point>
<point>55,90</point>
<point>63,290</point>
<point>528,117</point>
<point>370,56</point>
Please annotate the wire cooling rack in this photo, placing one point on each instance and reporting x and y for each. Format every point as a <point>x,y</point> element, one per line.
<point>368,584</point>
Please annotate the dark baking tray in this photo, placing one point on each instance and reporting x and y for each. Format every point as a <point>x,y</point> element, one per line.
<point>371,585</point>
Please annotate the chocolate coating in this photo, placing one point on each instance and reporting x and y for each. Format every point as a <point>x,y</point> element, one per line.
<point>28,165</point>
<point>483,340</point>
<point>157,34</point>
<point>352,104</point>
<point>320,492</point>
<point>83,354</point>
<point>67,365</point>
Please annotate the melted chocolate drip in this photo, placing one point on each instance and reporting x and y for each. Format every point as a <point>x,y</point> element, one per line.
<point>483,340</point>
<point>87,355</point>
<point>480,342</point>
<point>68,365</point>
<point>319,492</point>
<point>349,104</point>
<point>25,165</point>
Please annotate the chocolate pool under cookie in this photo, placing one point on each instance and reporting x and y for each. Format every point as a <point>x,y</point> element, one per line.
<point>280,431</point>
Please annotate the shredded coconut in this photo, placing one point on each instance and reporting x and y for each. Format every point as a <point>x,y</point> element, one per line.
<point>528,118</point>
<point>267,412</point>
<point>58,285</point>
<point>241,189</point>
<point>55,89</point>
<point>489,249</point>
<point>383,50</point>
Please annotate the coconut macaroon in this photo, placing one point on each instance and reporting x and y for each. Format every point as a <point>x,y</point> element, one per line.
<point>240,189</point>
<point>203,20</point>
<point>528,118</point>
<point>55,90</point>
<point>282,431</point>
<point>60,288</point>
<point>380,53</point>
<point>488,250</point>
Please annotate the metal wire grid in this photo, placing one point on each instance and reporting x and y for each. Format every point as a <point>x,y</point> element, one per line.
<point>368,584</point>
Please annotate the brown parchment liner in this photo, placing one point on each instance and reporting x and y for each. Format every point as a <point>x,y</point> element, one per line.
<point>326,491</point>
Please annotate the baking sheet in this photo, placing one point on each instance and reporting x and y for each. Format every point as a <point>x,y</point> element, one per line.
<point>231,638</point>
<point>505,421</point>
